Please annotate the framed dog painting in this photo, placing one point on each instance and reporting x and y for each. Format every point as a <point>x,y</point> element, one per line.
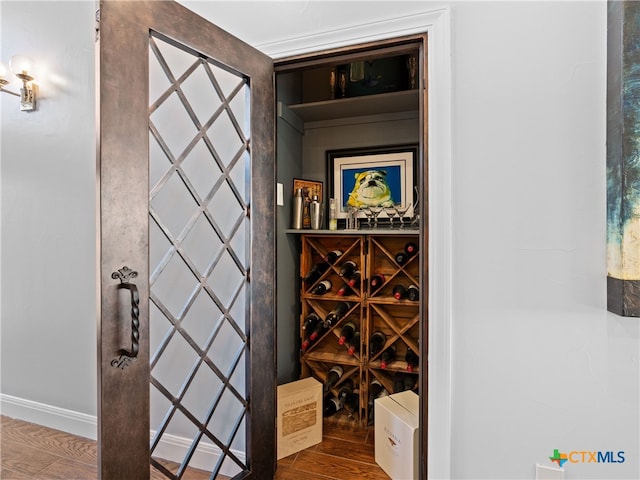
<point>376,176</point>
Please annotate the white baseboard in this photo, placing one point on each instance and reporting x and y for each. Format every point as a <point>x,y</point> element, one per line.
<point>69,421</point>
<point>171,447</point>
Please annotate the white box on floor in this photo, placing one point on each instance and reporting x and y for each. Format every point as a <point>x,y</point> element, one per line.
<point>299,416</point>
<point>397,434</point>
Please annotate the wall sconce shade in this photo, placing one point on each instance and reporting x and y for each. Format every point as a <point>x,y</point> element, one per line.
<point>21,66</point>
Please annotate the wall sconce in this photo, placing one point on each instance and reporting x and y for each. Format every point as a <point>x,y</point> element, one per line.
<point>21,67</point>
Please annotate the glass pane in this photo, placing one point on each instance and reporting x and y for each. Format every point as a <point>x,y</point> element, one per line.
<point>199,234</point>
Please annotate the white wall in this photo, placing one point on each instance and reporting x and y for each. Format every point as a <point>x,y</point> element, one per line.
<point>538,362</point>
<point>48,210</point>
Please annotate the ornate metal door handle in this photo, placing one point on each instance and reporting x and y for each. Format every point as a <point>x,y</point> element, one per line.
<point>124,275</point>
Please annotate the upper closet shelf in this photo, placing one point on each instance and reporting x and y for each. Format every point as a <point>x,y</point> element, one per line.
<point>404,101</point>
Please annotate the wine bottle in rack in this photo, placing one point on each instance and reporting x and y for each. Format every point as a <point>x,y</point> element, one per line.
<point>321,288</point>
<point>376,281</point>
<point>318,331</point>
<point>376,390</point>
<point>375,387</point>
<point>352,402</point>
<point>347,269</point>
<point>354,279</point>
<point>411,248</point>
<point>401,258</point>
<point>400,292</point>
<point>413,292</point>
<point>315,273</point>
<point>332,256</point>
<point>354,344</point>
<point>346,389</point>
<point>346,333</point>
<point>376,342</point>
<point>412,359</point>
<point>332,405</point>
<point>336,314</point>
<point>388,356</point>
<point>344,290</point>
<point>310,322</point>
<point>334,375</point>
<point>403,381</point>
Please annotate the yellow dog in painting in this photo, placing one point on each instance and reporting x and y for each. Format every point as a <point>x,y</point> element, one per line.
<point>371,189</point>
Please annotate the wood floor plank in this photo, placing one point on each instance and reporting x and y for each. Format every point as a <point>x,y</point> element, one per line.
<point>8,474</point>
<point>53,441</point>
<point>288,460</point>
<point>357,451</point>
<point>69,469</point>
<point>24,459</point>
<point>288,472</point>
<point>345,431</point>
<point>339,468</point>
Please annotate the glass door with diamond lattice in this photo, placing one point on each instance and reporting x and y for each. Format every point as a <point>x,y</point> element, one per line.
<point>186,248</point>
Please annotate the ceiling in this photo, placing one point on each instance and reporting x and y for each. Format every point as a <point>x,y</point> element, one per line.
<point>267,24</point>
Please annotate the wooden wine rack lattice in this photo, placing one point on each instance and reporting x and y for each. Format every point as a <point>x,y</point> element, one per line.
<point>370,311</point>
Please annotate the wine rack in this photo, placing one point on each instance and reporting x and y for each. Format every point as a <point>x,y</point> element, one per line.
<point>369,309</point>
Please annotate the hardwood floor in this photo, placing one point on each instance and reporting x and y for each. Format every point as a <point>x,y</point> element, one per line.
<point>29,451</point>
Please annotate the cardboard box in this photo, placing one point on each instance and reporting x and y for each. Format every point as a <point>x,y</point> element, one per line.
<point>397,434</point>
<point>299,416</point>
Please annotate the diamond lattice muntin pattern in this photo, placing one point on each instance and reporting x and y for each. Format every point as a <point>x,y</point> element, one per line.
<point>198,234</point>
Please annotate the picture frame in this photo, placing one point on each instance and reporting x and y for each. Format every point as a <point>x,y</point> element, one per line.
<point>309,188</point>
<point>398,162</point>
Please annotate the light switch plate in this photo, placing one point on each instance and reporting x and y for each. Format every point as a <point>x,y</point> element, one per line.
<point>280,195</point>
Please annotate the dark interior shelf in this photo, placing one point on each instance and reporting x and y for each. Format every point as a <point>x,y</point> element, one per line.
<point>404,101</point>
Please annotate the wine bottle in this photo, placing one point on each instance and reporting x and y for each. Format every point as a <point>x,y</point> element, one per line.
<point>345,290</point>
<point>376,390</point>
<point>388,356</point>
<point>318,331</point>
<point>375,387</point>
<point>354,344</point>
<point>315,273</point>
<point>336,314</point>
<point>309,322</point>
<point>347,269</point>
<point>332,256</point>
<point>323,287</point>
<point>409,382</point>
<point>306,343</point>
<point>331,406</point>
<point>354,279</point>
<point>346,334</point>
<point>334,375</point>
<point>399,292</point>
<point>376,281</point>
<point>411,248</point>
<point>376,342</point>
<point>346,389</point>
<point>398,383</point>
<point>413,293</point>
<point>412,360</point>
<point>352,402</point>
<point>401,258</point>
